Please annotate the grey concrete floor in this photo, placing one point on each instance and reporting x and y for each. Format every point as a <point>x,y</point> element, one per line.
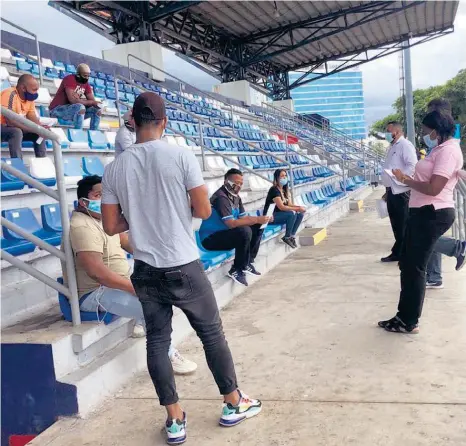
<point>305,341</point>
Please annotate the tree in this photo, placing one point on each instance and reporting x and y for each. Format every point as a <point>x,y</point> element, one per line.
<point>454,90</point>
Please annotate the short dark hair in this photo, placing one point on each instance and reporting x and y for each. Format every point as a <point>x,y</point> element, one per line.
<point>395,123</point>
<point>86,184</point>
<point>440,105</point>
<point>233,172</point>
<point>442,123</point>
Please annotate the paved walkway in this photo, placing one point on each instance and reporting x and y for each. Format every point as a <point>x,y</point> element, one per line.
<point>305,341</point>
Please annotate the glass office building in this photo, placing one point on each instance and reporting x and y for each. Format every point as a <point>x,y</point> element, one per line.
<point>338,97</point>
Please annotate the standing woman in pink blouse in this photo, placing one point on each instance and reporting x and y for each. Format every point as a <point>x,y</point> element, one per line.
<point>431,214</point>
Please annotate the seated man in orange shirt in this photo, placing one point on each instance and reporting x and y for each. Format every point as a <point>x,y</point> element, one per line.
<point>20,99</point>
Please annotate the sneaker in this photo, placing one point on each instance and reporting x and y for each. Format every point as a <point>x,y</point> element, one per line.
<point>233,415</point>
<point>396,325</point>
<point>238,276</point>
<point>176,430</point>
<point>434,285</point>
<point>138,331</point>
<point>181,365</point>
<point>293,240</point>
<point>251,270</point>
<point>390,258</point>
<point>289,242</point>
<point>461,259</point>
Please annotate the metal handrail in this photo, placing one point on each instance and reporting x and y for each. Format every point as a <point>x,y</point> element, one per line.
<point>210,124</point>
<point>71,291</point>
<point>39,60</point>
<point>203,93</point>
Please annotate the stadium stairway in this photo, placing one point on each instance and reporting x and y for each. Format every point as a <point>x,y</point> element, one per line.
<point>75,368</point>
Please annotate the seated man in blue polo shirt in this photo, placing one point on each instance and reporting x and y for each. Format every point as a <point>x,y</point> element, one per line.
<point>229,227</point>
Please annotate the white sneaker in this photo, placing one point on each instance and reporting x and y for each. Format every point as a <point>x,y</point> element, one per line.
<point>138,331</point>
<point>181,365</point>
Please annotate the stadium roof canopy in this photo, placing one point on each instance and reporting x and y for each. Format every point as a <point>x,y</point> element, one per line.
<point>261,41</point>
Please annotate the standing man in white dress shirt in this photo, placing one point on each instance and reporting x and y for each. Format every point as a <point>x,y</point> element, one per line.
<point>401,155</point>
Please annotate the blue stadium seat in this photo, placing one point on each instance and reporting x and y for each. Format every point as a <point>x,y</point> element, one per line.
<point>97,140</point>
<point>17,247</point>
<point>210,258</point>
<point>86,316</point>
<point>130,97</point>
<point>99,83</point>
<point>22,65</point>
<point>24,217</point>
<point>5,84</point>
<point>10,182</point>
<point>70,68</point>
<point>51,73</point>
<point>59,65</point>
<point>78,136</point>
<point>110,78</point>
<point>51,219</point>
<point>35,69</point>
<point>128,88</point>
<point>72,167</point>
<point>99,92</point>
<point>110,93</point>
<point>92,166</point>
<point>101,75</point>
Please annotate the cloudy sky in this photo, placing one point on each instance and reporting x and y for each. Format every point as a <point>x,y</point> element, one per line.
<point>432,63</point>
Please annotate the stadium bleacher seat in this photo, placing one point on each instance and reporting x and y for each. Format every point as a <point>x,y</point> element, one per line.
<point>72,170</point>
<point>60,66</point>
<point>43,170</point>
<point>22,65</point>
<point>92,166</point>
<point>210,259</point>
<point>44,96</point>
<point>78,139</point>
<point>70,68</point>
<point>10,182</point>
<point>24,217</point>
<point>51,219</point>
<point>97,140</point>
<point>86,316</point>
<point>5,53</point>
<point>51,72</point>
<point>63,140</point>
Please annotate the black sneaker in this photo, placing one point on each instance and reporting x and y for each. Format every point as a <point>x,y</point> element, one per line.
<point>390,258</point>
<point>293,240</point>
<point>289,242</point>
<point>396,325</point>
<point>461,259</point>
<point>434,285</point>
<point>251,270</point>
<point>238,276</point>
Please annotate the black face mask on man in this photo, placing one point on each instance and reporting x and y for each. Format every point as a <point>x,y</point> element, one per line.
<point>82,80</point>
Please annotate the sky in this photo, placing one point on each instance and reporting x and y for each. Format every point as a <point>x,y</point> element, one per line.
<point>433,63</point>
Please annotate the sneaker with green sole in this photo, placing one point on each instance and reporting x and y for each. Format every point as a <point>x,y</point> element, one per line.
<point>246,408</point>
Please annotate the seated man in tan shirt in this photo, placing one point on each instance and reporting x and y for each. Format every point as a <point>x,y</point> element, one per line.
<point>102,271</point>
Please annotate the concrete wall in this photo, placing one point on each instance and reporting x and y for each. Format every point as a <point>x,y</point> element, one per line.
<point>287,103</point>
<point>239,90</point>
<point>148,51</point>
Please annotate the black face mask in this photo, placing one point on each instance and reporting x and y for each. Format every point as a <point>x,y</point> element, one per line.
<point>81,80</point>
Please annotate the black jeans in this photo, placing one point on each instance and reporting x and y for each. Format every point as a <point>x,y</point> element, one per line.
<point>187,288</point>
<point>424,227</point>
<point>245,240</point>
<point>398,209</point>
<point>15,136</point>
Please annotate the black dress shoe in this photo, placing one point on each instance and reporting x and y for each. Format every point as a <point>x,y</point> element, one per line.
<point>390,258</point>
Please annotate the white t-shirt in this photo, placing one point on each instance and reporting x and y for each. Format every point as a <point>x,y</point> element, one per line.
<point>150,181</point>
<point>124,139</point>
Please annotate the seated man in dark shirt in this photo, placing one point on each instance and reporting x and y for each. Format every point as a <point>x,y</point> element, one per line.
<point>229,227</point>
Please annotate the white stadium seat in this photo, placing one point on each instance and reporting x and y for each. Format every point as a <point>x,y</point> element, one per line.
<point>4,73</point>
<point>60,133</point>
<point>181,141</point>
<point>57,82</point>
<point>5,54</point>
<point>170,139</point>
<point>110,137</point>
<point>42,168</point>
<point>44,96</point>
<point>47,63</point>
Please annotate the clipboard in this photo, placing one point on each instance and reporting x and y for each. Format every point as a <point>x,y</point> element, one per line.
<point>269,214</point>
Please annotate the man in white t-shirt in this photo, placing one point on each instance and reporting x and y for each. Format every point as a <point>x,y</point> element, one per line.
<point>153,189</point>
<point>126,136</point>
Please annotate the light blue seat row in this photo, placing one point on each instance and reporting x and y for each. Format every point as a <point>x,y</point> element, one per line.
<point>10,182</point>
